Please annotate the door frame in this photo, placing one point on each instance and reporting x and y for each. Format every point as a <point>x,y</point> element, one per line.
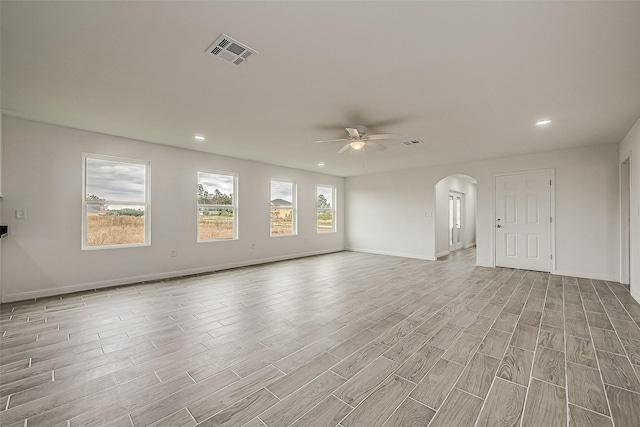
<point>462,219</point>
<point>552,240</point>
<point>625,221</point>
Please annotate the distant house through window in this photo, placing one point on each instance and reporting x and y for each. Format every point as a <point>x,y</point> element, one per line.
<point>283,208</point>
<point>116,203</point>
<point>217,206</point>
<point>326,204</point>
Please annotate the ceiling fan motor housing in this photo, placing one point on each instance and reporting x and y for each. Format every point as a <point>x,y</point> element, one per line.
<point>362,130</point>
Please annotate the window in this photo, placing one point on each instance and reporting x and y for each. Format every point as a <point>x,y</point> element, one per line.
<point>283,208</point>
<point>116,203</point>
<point>217,206</point>
<point>326,204</point>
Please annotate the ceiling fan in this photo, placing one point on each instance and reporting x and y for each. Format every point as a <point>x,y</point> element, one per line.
<point>358,139</point>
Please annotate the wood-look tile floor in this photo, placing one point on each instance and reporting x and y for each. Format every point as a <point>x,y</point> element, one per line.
<point>345,339</point>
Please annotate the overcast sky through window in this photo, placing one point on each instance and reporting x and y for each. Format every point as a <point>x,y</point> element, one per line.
<point>116,181</point>
<point>282,190</point>
<point>210,182</point>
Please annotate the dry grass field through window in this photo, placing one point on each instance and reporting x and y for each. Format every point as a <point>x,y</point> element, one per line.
<point>105,230</point>
<point>215,227</point>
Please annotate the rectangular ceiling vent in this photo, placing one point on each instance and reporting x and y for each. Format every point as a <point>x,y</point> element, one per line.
<point>412,142</point>
<point>230,50</point>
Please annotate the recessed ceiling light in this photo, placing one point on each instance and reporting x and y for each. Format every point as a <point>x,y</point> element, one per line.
<point>543,122</point>
<point>199,138</point>
<point>321,164</point>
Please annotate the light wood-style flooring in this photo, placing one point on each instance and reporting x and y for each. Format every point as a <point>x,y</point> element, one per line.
<point>345,339</point>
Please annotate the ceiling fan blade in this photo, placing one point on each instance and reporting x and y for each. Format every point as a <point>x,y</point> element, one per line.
<point>353,132</point>
<point>389,122</point>
<point>365,117</point>
<point>331,140</point>
<point>356,117</point>
<point>376,145</point>
<point>343,149</point>
<point>383,136</point>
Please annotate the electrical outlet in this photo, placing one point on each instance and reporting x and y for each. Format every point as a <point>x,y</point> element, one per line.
<point>174,253</point>
<point>21,214</point>
<point>253,246</point>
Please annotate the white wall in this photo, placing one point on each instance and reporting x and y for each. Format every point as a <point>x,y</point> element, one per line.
<point>1,222</point>
<point>385,213</point>
<point>630,148</point>
<point>1,145</point>
<point>442,189</point>
<point>587,220</point>
<point>43,174</point>
<point>391,213</point>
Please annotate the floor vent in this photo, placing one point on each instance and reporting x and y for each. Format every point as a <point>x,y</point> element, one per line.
<point>231,50</point>
<point>412,142</point>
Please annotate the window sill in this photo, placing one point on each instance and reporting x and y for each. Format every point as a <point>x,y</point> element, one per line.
<point>96,248</point>
<point>231,239</point>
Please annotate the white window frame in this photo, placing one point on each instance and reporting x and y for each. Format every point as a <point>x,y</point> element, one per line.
<point>146,203</point>
<point>332,209</point>
<point>294,207</point>
<point>233,206</point>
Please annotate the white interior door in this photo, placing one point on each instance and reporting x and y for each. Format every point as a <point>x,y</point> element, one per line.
<point>455,220</point>
<point>523,221</point>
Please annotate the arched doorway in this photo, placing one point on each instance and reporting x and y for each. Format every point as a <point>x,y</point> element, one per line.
<point>455,217</point>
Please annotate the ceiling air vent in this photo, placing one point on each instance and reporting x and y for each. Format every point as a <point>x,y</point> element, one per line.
<point>230,50</point>
<point>412,142</point>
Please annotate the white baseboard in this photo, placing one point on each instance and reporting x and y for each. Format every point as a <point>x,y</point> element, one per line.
<point>21,296</point>
<point>448,252</point>
<point>484,264</point>
<point>398,254</point>
<point>636,296</point>
<point>586,275</point>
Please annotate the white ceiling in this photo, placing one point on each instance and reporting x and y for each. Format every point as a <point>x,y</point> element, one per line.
<point>468,79</point>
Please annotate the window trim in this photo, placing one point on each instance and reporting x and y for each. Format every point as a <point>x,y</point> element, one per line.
<point>234,206</point>
<point>146,203</point>
<point>334,227</point>
<point>294,207</point>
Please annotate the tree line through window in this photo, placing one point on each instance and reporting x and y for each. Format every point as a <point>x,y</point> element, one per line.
<point>217,219</point>
<point>116,204</point>
<point>326,209</point>
<point>283,208</point>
